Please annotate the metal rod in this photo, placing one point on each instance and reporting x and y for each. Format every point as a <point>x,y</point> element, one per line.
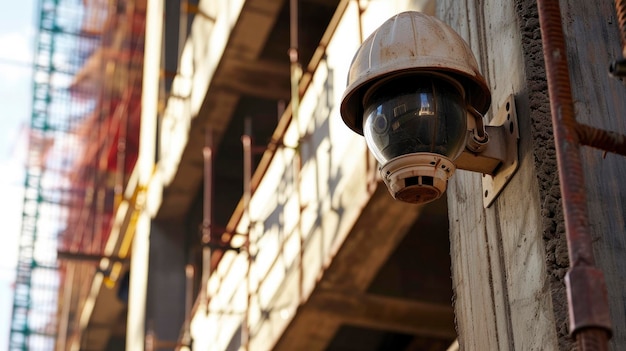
<point>182,27</point>
<point>295,107</point>
<point>601,139</point>
<point>86,257</point>
<point>189,274</point>
<point>586,289</point>
<point>361,10</point>
<point>293,27</point>
<point>246,140</point>
<point>294,60</point>
<point>207,212</point>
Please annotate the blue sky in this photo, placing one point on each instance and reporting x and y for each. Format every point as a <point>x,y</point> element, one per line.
<point>17,32</point>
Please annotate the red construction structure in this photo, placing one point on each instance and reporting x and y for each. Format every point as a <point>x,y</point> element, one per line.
<point>83,145</point>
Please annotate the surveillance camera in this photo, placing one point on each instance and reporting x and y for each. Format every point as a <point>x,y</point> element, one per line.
<point>416,95</point>
<point>415,125</point>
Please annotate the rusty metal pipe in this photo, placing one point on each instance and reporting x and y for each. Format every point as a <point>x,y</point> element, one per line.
<point>586,289</point>
<point>207,216</point>
<point>601,139</point>
<point>246,140</point>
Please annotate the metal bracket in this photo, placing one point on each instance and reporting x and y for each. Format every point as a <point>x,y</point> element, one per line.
<point>505,123</point>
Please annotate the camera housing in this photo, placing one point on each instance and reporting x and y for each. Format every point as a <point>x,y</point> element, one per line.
<point>415,93</point>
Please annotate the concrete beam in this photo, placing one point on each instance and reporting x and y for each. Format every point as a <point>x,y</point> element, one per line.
<point>386,313</point>
<point>374,237</point>
<point>245,44</point>
<point>263,78</point>
<point>340,296</point>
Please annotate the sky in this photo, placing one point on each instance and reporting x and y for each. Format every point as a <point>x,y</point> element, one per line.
<point>17,33</point>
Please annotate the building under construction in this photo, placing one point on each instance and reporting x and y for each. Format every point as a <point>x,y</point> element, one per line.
<point>83,146</point>
<point>191,185</point>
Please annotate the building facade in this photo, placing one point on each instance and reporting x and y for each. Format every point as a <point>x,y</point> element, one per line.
<point>259,221</point>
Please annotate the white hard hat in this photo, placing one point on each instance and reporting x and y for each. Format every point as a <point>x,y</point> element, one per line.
<point>412,42</point>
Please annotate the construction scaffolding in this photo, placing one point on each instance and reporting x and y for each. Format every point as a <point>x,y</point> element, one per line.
<point>83,145</point>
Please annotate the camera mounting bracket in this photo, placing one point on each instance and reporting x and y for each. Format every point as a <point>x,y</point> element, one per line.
<point>498,158</point>
<point>506,120</point>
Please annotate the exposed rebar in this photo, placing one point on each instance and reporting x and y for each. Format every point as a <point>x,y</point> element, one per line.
<point>207,216</point>
<point>246,140</point>
<point>586,289</point>
<point>601,139</point>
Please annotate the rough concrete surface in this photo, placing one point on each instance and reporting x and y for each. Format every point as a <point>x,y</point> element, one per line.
<point>545,164</point>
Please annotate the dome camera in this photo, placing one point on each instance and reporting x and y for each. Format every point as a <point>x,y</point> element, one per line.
<point>416,95</point>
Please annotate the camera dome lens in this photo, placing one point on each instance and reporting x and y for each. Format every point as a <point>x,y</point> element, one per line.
<point>413,114</point>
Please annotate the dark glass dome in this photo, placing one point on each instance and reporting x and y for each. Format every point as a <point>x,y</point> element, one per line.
<point>416,113</point>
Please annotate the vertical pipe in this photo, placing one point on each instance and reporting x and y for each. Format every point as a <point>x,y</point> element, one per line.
<point>182,27</point>
<point>246,140</point>
<point>207,210</point>
<point>297,166</point>
<point>295,107</point>
<point>189,274</point>
<point>586,289</point>
<point>361,10</point>
<point>293,31</point>
<point>293,59</point>
<point>371,165</point>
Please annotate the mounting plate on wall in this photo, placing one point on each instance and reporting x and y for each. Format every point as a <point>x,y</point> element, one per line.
<point>504,122</point>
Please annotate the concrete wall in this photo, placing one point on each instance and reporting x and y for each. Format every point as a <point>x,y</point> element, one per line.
<point>298,217</point>
<point>592,37</point>
<point>499,273</point>
<point>509,288</point>
<point>331,194</point>
<point>508,260</point>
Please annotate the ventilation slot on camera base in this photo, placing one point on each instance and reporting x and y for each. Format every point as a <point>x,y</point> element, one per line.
<point>417,178</point>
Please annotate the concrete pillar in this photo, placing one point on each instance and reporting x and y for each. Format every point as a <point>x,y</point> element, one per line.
<point>165,312</point>
<point>509,260</point>
<point>135,334</point>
